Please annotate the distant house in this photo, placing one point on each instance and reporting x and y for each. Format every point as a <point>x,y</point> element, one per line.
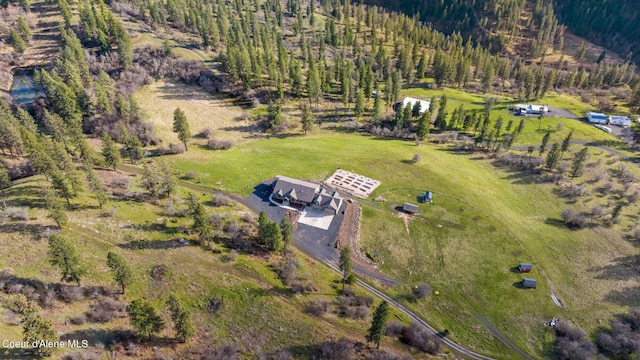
<point>620,121</point>
<point>297,193</point>
<point>522,109</point>
<point>538,109</point>
<point>424,105</point>
<point>529,283</point>
<point>524,267</point>
<point>597,118</point>
<point>410,208</point>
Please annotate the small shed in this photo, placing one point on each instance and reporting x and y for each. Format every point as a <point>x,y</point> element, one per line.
<point>524,267</point>
<point>425,197</point>
<point>410,208</point>
<point>529,283</point>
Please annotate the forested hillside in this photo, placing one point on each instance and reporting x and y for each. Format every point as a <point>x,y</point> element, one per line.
<point>613,24</point>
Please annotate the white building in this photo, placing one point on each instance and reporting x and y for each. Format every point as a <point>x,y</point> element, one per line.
<point>597,118</point>
<point>620,121</point>
<point>424,105</point>
<point>530,109</point>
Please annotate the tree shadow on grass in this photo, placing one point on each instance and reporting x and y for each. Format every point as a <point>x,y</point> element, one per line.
<point>35,230</point>
<point>629,296</point>
<point>16,353</point>
<point>622,268</point>
<point>155,244</point>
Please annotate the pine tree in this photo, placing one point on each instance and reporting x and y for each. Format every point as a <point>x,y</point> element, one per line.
<point>307,118</point>
<point>110,152</point>
<point>553,157</point>
<point>566,143</point>
<point>424,125</point>
<point>144,319</point>
<point>378,324</point>
<point>287,232</point>
<point>578,162</point>
<point>273,237</point>
<point>5,182</point>
<point>120,270</point>
<point>63,255</point>
<point>545,141</point>
<point>24,29</point>
<point>346,264</point>
<point>181,317</point>
<point>359,108</point>
<point>201,222</point>
<point>54,208</point>
<point>181,126</point>
<point>18,43</point>
<point>95,185</point>
<point>36,329</point>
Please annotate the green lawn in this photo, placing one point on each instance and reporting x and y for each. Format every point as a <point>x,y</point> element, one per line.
<point>482,223</point>
<point>257,311</point>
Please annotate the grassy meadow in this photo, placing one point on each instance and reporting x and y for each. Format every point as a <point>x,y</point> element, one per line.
<point>483,223</point>
<point>258,313</point>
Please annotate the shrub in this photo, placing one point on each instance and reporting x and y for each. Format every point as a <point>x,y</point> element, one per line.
<point>171,211</point>
<point>422,291</point>
<point>573,220</point>
<point>120,182</point>
<point>572,343</point>
<point>78,320</point>
<point>16,213</point>
<point>219,200</point>
<point>106,310</point>
<point>394,328</point>
<point>416,158</point>
<point>205,133</point>
<point>233,254</point>
<point>190,175</point>
<point>361,312</point>
<point>83,355</point>
<point>420,338</point>
<point>338,350</point>
<point>248,218</point>
<point>316,307</point>
<point>71,294</point>
<point>215,144</point>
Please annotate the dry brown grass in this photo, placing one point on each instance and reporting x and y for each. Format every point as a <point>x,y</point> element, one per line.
<point>160,99</point>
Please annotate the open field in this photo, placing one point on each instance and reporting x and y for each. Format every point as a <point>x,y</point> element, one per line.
<point>482,223</point>
<point>160,99</point>
<point>258,314</point>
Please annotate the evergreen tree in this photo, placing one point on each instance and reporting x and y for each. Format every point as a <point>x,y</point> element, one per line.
<point>120,270</point>
<point>545,141</point>
<point>37,329</point>
<point>144,319</point>
<point>578,162</point>
<point>167,180</point>
<point>346,264</point>
<point>378,324</point>
<point>424,125</point>
<point>110,152</point>
<point>307,118</point>
<point>18,43</point>
<point>273,237</point>
<point>24,29</point>
<point>63,255</point>
<point>287,232</point>
<point>5,182</point>
<point>95,185</point>
<point>181,126</point>
<point>566,143</point>
<point>54,208</point>
<point>359,108</point>
<point>181,317</point>
<point>553,157</point>
<point>263,222</point>
<point>377,109</point>
<point>201,222</point>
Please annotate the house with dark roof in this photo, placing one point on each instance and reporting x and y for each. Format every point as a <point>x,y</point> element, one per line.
<point>297,193</point>
<point>410,208</point>
<point>525,267</point>
<point>529,283</point>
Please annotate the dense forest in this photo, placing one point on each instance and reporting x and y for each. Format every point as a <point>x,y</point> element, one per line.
<point>613,24</point>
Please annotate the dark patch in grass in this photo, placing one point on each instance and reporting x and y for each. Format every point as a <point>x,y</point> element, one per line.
<point>624,268</point>
<point>153,244</point>
<point>626,296</point>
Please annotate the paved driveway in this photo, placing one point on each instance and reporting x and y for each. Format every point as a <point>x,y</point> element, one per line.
<point>316,242</point>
